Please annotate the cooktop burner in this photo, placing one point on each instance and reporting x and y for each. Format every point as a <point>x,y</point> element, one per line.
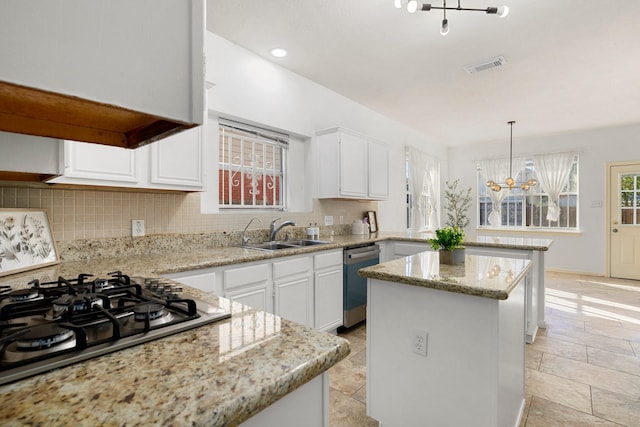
<point>58,323</point>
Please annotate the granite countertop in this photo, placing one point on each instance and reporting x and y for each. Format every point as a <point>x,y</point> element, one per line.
<point>482,276</point>
<point>158,255</point>
<point>216,375</point>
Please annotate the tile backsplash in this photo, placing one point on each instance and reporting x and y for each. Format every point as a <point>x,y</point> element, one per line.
<point>89,214</point>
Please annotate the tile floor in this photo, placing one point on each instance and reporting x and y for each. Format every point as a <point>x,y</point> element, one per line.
<point>583,370</point>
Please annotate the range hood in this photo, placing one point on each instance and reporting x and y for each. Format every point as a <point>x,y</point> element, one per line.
<point>31,111</point>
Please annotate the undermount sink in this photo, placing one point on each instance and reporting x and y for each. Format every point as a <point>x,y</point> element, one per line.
<point>292,244</point>
<point>307,242</point>
<point>270,246</point>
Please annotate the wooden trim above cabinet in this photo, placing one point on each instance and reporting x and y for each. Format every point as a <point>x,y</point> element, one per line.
<point>38,112</point>
<point>23,176</point>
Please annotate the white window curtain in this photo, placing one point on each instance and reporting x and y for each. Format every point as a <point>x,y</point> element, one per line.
<point>498,170</point>
<point>424,185</point>
<point>552,171</point>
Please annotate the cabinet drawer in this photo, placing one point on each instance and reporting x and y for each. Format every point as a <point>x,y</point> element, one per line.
<point>330,259</point>
<point>291,267</point>
<point>237,277</point>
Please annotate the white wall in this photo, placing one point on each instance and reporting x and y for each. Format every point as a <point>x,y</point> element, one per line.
<point>579,252</point>
<point>256,90</point>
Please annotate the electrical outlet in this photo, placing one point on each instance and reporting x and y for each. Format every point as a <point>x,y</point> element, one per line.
<point>328,220</point>
<point>419,342</point>
<point>137,228</point>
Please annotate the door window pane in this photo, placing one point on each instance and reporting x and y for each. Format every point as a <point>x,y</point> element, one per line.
<point>629,199</point>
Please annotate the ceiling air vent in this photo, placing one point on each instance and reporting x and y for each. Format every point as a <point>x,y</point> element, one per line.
<point>498,61</point>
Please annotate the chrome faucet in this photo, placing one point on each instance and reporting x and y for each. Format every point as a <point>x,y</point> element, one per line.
<point>246,239</point>
<point>273,231</point>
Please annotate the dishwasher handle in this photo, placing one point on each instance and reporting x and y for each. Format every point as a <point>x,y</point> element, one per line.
<point>363,255</point>
<point>351,256</point>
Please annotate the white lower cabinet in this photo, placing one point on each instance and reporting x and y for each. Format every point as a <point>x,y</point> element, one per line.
<point>328,290</point>
<point>306,289</point>
<point>250,285</point>
<point>293,286</point>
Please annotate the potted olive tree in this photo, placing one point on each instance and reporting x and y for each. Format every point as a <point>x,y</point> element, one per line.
<point>448,240</point>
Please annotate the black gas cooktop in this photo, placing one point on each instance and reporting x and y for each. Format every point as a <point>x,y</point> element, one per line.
<point>55,324</point>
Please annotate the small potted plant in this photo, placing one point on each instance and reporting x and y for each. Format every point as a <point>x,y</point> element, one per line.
<point>448,242</point>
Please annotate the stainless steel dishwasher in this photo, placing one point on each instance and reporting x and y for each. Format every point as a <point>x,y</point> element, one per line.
<point>355,287</point>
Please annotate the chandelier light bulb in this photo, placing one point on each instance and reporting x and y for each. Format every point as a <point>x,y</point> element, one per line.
<point>503,11</point>
<point>397,4</point>
<point>444,30</point>
<point>412,6</point>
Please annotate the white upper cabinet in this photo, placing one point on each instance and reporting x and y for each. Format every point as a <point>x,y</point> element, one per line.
<point>98,165</point>
<point>117,72</point>
<point>27,156</point>
<point>177,160</point>
<point>174,163</point>
<point>378,171</point>
<point>352,166</point>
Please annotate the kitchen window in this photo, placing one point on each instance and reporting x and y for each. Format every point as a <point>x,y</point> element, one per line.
<point>531,209</point>
<point>422,173</point>
<point>251,167</point>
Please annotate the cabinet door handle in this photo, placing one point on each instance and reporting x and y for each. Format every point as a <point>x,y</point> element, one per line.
<point>615,230</point>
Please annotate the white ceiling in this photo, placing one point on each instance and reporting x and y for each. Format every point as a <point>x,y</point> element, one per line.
<point>571,64</point>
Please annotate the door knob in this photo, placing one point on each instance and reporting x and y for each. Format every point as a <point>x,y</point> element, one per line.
<point>615,230</point>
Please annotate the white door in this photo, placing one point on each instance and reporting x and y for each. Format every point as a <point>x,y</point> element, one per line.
<point>624,218</point>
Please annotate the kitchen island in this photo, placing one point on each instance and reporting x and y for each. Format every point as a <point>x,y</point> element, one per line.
<point>533,249</point>
<point>467,319</point>
<point>513,246</point>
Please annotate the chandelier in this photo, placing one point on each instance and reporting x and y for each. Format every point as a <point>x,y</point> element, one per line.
<point>510,182</point>
<point>412,7</point>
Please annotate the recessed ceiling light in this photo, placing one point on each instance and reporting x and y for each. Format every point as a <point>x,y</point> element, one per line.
<point>278,52</point>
